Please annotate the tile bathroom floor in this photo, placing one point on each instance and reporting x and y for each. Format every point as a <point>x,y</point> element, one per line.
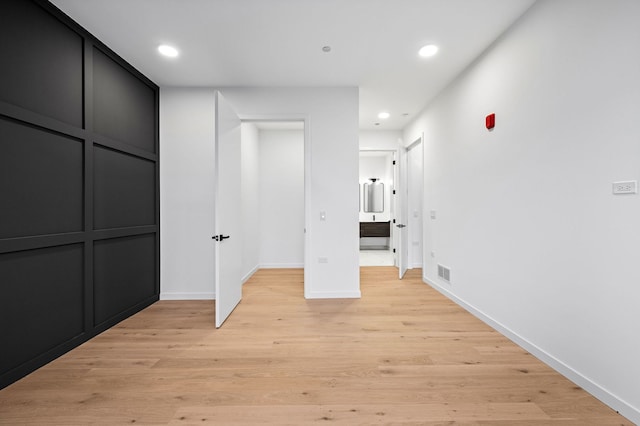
<point>376,258</point>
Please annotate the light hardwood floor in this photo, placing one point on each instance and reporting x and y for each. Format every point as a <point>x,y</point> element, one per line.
<point>402,354</point>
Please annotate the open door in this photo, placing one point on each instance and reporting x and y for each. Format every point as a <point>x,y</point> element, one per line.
<point>402,214</point>
<point>227,207</point>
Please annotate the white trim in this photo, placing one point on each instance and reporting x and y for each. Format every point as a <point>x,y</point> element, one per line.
<point>333,295</point>
<point>280,265</point>
<point>415,143</point>
<point>187,296</point>
<point>615,403</point>
<point>307,207</point>
<point>250,274</point>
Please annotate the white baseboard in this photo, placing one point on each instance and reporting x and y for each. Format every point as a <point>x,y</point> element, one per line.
<point>280,265</point>
<point>188,296</point>
<point>630,412</point>
<point>250,274</point>
<point>333,295</point>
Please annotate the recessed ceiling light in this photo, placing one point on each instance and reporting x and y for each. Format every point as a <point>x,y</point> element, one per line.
<point>384,115</point>
<point>167,50</point>
<point>428,50</point>
<point>326,49</point>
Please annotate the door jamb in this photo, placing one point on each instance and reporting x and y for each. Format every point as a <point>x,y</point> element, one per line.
<point>419,140</point>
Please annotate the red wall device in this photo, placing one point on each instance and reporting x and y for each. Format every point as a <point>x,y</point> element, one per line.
<point>491,121</point>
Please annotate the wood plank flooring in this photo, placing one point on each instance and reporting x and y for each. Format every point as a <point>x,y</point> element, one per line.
<point>402,354</point>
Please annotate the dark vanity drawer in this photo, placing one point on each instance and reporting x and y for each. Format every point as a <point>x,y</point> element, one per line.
<point>375,229</point>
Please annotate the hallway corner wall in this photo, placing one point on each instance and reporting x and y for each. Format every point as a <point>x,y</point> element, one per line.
<point>187,134</point>
<point>536,241</point>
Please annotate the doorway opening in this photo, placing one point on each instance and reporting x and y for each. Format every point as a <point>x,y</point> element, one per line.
<point>376,188</point>
<point>274,195</point>
<point>409,207</point>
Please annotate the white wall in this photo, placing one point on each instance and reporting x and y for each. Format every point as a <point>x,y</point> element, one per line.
<point>537,244</point>
<point>250,187</point>
<point>186,193</point>
<point>381,140</point>
<point>281,193</point>
<point>331,126</point>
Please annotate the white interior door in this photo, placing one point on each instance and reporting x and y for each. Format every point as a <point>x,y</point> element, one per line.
<point>228,205</point>
<point>402,215</point>
<point>415,179</point>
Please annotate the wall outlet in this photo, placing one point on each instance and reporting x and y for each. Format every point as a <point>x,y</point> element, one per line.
<point>323,260</point>
<point>626,187</point>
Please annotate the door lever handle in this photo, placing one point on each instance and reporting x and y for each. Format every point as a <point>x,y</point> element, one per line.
<point>401,225</point>
<point>220,237</point>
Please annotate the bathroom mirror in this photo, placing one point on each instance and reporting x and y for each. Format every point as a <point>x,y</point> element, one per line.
<point>373,196</point>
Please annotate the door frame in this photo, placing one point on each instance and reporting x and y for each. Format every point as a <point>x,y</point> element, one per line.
<point>415,143</point>
<point>305,119</point>
<point>401,213</point>
<point>394,154</point>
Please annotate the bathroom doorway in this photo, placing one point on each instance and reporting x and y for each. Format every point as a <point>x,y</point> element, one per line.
<point>376,188</point>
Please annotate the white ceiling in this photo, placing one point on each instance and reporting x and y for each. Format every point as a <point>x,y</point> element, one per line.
<point>279,43</point>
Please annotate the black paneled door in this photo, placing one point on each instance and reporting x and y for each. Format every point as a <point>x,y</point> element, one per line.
<point>79,193</point>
